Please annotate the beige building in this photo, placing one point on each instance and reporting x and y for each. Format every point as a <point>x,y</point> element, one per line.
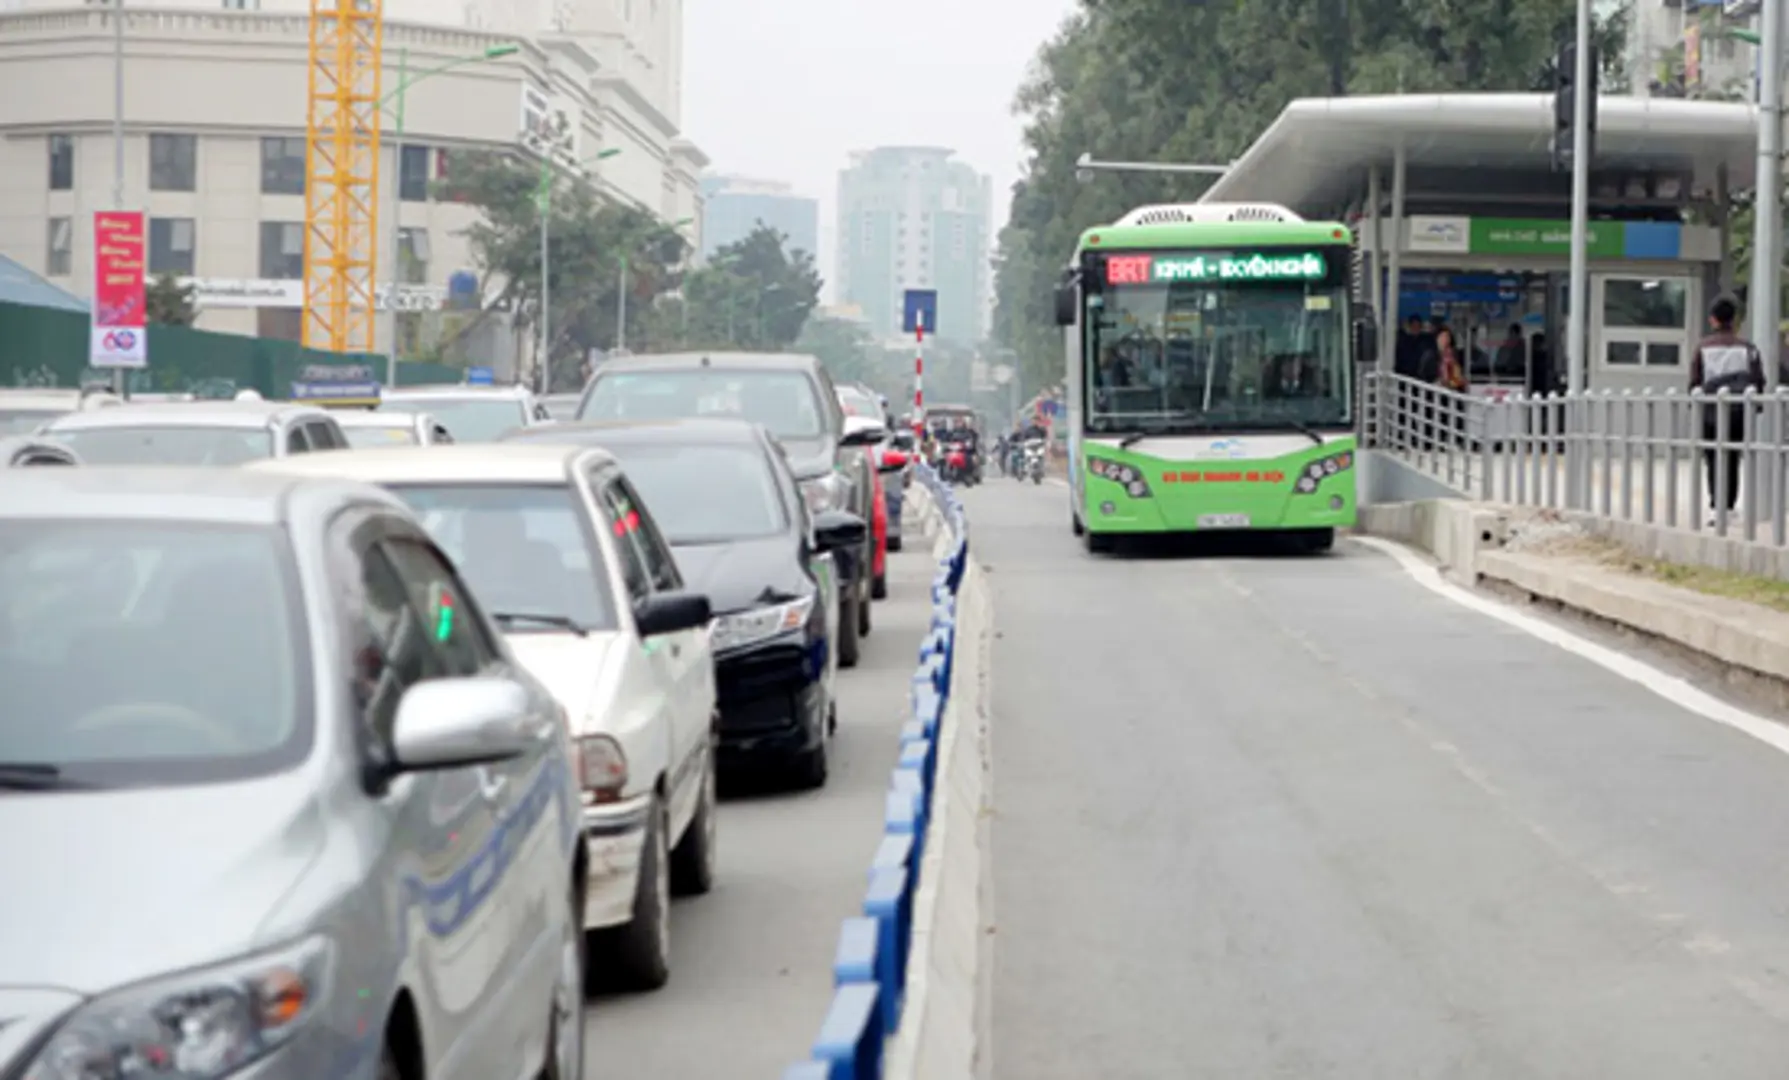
<point>213,144</point>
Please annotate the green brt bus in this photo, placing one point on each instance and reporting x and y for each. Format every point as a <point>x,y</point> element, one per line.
<point>1210,374</point>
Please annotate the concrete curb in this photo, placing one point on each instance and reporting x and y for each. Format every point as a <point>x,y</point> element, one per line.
<point>1466,539</point>
<point>940,1037</point>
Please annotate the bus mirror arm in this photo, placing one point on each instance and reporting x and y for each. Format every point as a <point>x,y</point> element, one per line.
<point>1366,341</point>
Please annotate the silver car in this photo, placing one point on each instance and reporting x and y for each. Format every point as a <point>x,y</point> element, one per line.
<point>197,432</point>
<point>471,413</point>
<point>281,804</point>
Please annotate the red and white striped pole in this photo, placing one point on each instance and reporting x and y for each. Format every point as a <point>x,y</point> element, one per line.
<point>919,379</point>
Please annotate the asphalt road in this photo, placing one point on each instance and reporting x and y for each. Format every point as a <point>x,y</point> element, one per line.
<point>1275,816</point>
<point>751,973</point>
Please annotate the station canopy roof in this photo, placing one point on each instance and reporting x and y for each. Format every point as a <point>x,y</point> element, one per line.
<point>1316,155</point>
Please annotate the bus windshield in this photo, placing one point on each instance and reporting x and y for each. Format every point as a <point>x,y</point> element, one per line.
<point>1203,355</point>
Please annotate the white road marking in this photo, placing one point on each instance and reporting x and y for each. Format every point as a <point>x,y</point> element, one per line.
<point>1677,691</point>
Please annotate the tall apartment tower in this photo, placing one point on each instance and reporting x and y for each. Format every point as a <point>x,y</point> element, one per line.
<point>911,217</point>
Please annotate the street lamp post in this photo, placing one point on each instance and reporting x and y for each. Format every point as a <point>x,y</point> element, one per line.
<point>120,384</point>
<point>543,377</point>
<point>407,79</point>
<point>1085,165</point>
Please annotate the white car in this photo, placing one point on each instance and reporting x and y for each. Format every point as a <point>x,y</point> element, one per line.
<point>470,413</point>
<point>559,550</point>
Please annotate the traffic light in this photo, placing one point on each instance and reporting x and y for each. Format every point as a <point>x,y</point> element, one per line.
<point>1565,87</point>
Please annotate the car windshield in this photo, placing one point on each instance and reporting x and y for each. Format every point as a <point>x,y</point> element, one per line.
<point>706,494</point>
<point>561,407</point>
<point>168,445</point>
<point>24,421</point>
<point>525,549</point>
<point>467,419</point>
<point>785,402</point>
<point>149,654</point>
<point>858,403</point>
<point>1211,349</point>
<point>361,437</point>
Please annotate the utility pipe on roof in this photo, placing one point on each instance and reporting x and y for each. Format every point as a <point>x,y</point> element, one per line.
<point>1395,270</point>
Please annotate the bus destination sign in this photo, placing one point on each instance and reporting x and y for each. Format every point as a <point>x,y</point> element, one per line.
<point>1167,269</point>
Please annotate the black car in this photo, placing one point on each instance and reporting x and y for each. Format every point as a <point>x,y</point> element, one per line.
<point>793,397</point>
<point>722,493</point>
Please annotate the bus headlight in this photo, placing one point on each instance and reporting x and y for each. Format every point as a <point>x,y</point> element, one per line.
<point>1128,477</point>
<point>1321,469</point>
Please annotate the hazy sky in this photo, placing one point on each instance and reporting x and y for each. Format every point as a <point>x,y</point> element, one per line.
<point>784,89</point>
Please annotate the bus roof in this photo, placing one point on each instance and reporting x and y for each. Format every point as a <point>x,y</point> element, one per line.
<point>1216,234</point>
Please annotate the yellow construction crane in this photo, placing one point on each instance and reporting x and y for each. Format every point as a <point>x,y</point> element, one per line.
<point>341,191</point>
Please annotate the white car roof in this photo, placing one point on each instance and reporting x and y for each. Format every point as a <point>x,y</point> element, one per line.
<point>414,393</point>
<point>482,463</point>
<point>188,414</point>
<point>374,419</point>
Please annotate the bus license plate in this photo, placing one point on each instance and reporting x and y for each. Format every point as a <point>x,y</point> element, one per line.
<point>1223,521</point>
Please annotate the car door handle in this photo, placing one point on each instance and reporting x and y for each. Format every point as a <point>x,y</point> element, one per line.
<point>491,784</point>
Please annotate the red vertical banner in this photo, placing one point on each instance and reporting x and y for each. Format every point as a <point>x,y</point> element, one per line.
<point>119,337</point>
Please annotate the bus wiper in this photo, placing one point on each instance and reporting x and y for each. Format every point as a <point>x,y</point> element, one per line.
<point>35,776</point>
<point>1299,426</point>
<point>1136,437</point>
<point>506,619</point>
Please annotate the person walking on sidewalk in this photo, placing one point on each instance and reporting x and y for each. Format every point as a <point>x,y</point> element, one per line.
<point>1724,361</point>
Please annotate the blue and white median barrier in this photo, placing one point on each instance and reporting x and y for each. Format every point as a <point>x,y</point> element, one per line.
<point>875,947</point>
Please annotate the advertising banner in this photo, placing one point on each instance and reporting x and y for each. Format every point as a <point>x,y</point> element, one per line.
<point>119,337</point>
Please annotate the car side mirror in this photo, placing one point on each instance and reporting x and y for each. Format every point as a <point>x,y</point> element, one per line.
<point>453,723</point>
<point>892,461</point>
<point>836,530</point>
<point>1067,301</point>
<point>862,431</point>
<point>671,613</point>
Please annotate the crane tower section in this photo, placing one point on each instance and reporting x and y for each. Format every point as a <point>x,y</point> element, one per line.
<point>341,203</point>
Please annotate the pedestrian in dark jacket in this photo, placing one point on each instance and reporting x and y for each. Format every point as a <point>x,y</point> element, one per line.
<point>1724,361</point>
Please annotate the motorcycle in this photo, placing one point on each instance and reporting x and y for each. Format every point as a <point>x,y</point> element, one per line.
<point>1034,460</point>
<point>954,464</point>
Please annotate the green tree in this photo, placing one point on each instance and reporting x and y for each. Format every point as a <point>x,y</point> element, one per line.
<point>754,294</point>
<point>1169,80</point>
<point>588,240</point>
<point>169,303</point>
<point>846,348</point>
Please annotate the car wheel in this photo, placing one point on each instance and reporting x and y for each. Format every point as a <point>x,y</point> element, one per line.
<point>879,587</point>
<point>1097,543</point>
<point>641,951</point>
<point>389,1069</point>
<point>894,543</point>
<point>692,863</point>
<point>565,1022</point>
<point>848,643</point>
<point>1074,522</point>
<point>863,610</point>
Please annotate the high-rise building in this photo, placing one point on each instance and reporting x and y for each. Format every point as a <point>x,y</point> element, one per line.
<point>910,217</point>
<point>1686,48</point>
<point>733,206</point>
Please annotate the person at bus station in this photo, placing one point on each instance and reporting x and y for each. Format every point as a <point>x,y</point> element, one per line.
<point>1724,360</point>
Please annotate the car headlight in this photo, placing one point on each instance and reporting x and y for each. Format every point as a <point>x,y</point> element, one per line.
<point>829,492</point>
<point>760,624</point>
<point>602,768</point>
<point>201,1025</point>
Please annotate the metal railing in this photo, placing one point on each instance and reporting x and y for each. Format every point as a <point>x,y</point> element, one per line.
<point>1712,463</point>
<point>870,964</point>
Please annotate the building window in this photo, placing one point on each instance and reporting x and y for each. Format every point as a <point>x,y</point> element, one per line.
<point>282,165</point>
<point>282,250</point>
<point>173,162</point>
<point>413,174</point>
<point>62,162</point>
<point>413,256</point>
<point>171,246</point>
<point>59,259</point>
<point>242,5</point>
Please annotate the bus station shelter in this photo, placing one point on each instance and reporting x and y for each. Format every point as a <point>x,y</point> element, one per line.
<point>1460,217</point>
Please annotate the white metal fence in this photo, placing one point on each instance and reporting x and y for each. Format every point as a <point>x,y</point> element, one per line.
<point>1705,463</point>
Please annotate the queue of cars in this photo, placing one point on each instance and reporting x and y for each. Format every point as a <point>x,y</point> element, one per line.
<point>402,746</point>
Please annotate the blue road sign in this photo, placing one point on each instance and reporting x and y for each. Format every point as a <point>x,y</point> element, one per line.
<point>480,376</point>
<point>919,310</point>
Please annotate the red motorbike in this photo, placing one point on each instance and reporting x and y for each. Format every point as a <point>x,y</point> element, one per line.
<point>956,465</point>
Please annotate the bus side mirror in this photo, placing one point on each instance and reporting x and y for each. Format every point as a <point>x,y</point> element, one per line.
<point>1066,303</point>
<point>1366,341</point>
